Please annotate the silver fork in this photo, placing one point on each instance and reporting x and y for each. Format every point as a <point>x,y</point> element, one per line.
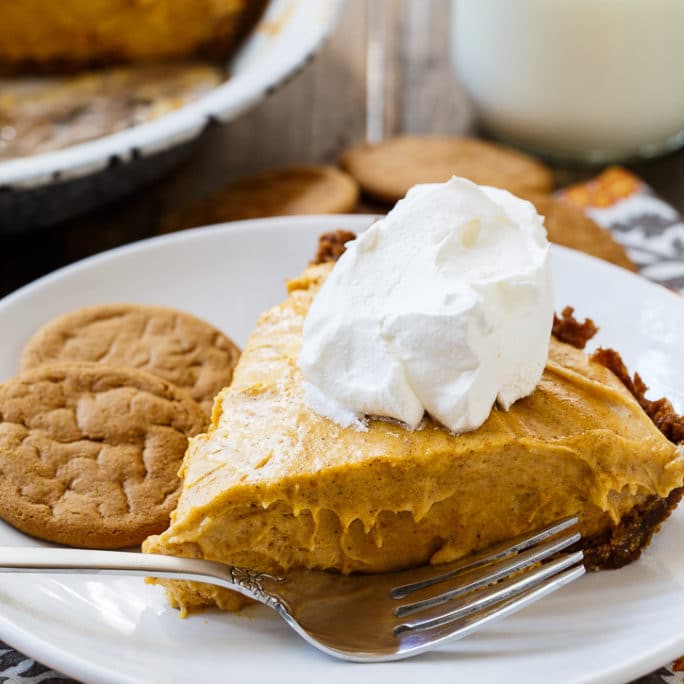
<point>363,618</point>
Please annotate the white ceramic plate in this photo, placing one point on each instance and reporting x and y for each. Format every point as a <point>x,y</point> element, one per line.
<point>607,627</point>
<point>265,60</point>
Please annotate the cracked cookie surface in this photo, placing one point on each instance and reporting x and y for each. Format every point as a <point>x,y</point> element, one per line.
<point>89,454</point>
<point>175,345</point>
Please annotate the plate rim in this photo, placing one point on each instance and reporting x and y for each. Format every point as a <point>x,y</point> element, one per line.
<point>43,651</point>
<point>303,220</point>
<point>222,103</point>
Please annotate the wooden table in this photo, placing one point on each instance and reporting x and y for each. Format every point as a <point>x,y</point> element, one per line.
<point>312,118</point>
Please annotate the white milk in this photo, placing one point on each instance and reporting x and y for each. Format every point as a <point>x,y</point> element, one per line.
<point>584,79</point>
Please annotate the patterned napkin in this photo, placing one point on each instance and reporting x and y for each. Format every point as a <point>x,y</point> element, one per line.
<point>650,229</point>
<point>653,234</point>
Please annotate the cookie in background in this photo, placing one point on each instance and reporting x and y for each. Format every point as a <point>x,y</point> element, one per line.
<point>569,226</point>
<point>386,170</point>
<point>306,189</point>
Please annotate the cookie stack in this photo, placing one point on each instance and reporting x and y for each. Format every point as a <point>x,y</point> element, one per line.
<point>382,173</point>
<point>94,428</point>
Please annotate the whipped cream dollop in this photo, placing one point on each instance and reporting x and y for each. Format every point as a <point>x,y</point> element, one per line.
<point>444,306</point>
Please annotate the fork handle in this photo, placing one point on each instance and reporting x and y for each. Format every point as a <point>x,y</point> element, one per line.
<point>81,561</point>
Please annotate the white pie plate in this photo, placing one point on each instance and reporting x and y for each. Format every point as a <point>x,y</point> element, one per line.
<point>607,627</point>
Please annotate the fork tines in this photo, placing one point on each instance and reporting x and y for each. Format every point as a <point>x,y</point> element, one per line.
<point>490,585</point>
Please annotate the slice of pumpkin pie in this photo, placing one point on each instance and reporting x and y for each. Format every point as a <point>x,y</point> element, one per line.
<point>274,485</point>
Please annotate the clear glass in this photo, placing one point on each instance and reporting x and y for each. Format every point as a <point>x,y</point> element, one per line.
<point>579,80</point>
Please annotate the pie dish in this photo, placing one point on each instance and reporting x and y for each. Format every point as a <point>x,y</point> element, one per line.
<point>45,188</point>
<point>272,485</point>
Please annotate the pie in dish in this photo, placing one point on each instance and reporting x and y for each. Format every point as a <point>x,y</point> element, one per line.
<point>44,114</point>
<point>38,36</point>
<point>273,485</point>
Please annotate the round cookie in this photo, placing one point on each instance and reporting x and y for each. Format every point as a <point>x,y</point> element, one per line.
<point>89,454</point>
<point>388,169</point>
<point>174,345</point>
<point>276,192</point>
<point>569,226</point>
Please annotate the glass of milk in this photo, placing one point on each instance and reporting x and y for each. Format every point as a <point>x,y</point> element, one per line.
<point>577,80</point>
